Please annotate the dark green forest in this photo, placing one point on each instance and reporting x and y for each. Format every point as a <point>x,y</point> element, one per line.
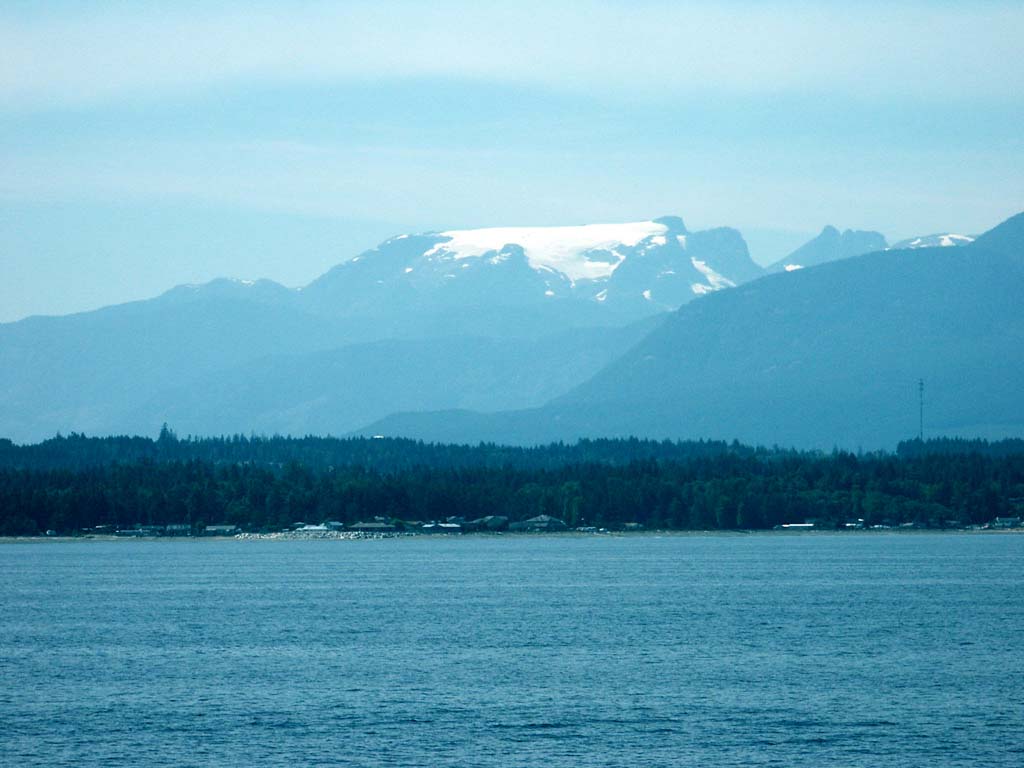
<point>72,483</point>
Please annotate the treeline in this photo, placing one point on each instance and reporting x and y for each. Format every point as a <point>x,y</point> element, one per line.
<point>322,453</point>
<point>77,451</point>
<point>910,449</point>
<point>262,484</point>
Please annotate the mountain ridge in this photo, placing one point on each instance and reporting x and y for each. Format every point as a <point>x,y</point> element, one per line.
<point>830,245</point>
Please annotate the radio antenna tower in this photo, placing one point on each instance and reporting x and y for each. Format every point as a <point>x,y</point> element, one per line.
<point>920,410</point>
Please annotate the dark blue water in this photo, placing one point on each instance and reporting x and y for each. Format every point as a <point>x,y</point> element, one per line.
<point>806,650</point>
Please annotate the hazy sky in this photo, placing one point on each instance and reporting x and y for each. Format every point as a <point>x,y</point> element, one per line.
<point>144,145</point>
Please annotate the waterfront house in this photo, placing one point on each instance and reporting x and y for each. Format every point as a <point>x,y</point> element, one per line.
<point>487,523</point>
<point>178,529</point>
<point>441,528</point>
<point>372,527</point>
<point>539,524</point>
<point>1005,522</point>
<point>221,530</point>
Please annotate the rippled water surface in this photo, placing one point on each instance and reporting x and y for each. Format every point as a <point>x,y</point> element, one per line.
<point>802,650</point>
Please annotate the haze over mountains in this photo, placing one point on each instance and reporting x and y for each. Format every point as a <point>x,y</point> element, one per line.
<point>567,324</point>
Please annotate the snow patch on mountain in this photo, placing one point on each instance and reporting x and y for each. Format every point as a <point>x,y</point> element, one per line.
<point>938,240</point>
<point>715,281</point>
<point>569,250</point>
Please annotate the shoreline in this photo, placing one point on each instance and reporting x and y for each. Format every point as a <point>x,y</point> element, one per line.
<point>502,535</point>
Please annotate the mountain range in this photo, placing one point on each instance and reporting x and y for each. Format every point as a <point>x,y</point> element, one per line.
<point>530,332</point>
<point>829,356</point>
<point>513,295</point>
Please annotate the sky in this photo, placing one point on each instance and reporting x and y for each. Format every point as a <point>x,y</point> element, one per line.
<point>145,145</point>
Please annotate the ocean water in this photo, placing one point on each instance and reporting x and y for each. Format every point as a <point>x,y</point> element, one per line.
<point>756,650</point>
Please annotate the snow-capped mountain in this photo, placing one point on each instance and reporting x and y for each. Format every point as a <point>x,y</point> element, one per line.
<point>940,240</point>
<point>525,289</point>
<point>836,365</point>
<point>636,267</point>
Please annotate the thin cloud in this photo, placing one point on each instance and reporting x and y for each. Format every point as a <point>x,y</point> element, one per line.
<point>795,188</point>
<point>912,50</point>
